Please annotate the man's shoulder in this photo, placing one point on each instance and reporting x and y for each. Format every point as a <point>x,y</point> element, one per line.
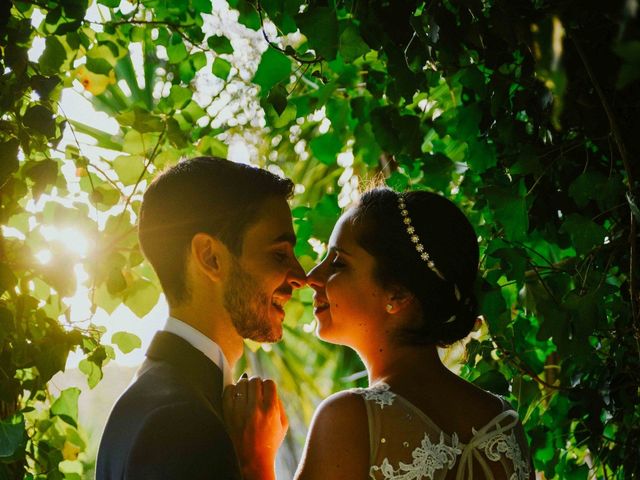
<point>157,387</point>
<point>159,420</point>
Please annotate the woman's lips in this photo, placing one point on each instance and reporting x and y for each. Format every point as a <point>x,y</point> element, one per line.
<point>320,306</point>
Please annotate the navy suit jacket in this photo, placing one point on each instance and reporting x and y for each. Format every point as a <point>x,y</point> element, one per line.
<point>168,423</point>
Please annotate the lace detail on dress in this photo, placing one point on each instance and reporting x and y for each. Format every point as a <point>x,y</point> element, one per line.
<point>500,444</point>
<point>427,459</point>
<point>379,393</point>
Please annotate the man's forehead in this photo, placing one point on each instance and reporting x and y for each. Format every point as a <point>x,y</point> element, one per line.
<point>273,224</point>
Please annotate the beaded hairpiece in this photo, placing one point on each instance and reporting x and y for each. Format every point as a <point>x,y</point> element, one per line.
<point>424,255</point>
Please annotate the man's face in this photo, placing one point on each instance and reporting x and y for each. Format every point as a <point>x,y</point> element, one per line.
<point>264,275</point>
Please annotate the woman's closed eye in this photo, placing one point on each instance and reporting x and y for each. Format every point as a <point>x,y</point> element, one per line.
<point>336,264</point>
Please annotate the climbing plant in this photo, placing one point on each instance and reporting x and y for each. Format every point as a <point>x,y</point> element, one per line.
<point>523,113</point>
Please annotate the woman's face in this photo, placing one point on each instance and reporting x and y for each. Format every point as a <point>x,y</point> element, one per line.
<point>349,304</point>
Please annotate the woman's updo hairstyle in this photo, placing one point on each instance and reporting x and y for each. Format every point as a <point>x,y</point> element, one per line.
<point>449,305</point>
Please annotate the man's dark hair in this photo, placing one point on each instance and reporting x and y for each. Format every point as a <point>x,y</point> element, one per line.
<point>201,195</point>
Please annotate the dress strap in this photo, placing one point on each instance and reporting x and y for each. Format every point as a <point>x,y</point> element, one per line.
<point>479,438</point>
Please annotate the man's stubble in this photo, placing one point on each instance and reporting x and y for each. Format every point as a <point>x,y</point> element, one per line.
<point>248,305</point>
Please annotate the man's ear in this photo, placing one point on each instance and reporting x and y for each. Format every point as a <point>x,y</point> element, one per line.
<point>209,255</point>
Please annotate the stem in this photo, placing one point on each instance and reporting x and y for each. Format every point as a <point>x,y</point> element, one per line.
<point>275,46</point>
<point>622,149</point>
<point>143,173</point>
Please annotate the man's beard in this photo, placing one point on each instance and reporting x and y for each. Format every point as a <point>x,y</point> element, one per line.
<point>249,306</point>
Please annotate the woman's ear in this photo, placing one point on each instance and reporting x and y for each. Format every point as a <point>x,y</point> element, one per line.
<point>209,255</point>
<point>398,299</point>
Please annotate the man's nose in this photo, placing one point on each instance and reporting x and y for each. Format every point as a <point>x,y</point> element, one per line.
<point>297,277</point>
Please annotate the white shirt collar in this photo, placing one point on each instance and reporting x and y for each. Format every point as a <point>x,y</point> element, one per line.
<point>203,343</point>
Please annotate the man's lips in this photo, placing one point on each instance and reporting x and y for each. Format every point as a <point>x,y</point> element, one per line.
<point>278,302</point>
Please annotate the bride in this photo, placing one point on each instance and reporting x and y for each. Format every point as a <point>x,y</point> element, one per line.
<point>396,283</point>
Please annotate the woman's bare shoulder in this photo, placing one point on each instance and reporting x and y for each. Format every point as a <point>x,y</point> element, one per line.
<point>338,441</point>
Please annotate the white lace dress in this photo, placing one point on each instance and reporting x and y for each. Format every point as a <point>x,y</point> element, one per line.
<point>405,444</point>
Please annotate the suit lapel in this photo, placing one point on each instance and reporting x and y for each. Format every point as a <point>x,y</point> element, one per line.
<point>196,367</point>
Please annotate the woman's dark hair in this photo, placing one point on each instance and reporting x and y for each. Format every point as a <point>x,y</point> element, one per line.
<point>451,243</point>
<point>204,194</point>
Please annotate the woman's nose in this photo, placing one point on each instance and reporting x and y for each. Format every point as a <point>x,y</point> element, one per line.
<point>315,278</point>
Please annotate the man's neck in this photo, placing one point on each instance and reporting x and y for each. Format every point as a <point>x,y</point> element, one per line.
<point>216,326</point>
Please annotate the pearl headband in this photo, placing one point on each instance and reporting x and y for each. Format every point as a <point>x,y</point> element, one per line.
<point>424,255</point>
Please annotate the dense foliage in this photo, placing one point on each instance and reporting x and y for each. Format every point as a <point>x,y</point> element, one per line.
<point>523,112</point>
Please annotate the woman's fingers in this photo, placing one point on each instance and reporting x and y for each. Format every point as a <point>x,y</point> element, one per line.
<point>242,391</point>
<point>269,394</point>
<point>284,420</point>
<point>256,421</point>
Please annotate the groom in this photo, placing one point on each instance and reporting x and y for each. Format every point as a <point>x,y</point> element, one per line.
<point>220,238</point>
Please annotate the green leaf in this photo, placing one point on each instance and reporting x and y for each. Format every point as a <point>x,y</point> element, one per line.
<point>278,98</point>
<point>509,209</point>
<point>274,67</point>
<point>480,156</point>
<point>326,148</point>
<point>142,297</point>
<point>438,170</point>
<point>221,68</point>
<point>382,124</point>
<point>202,6</point>
<point>513,262</point>
<point>43,174</point>
<point>116,282</point>
<point>587,186</point>
<point>176,50</point>
<point>126,342</point>
<point>8,159</point>
<point>210,145</point>
<point>320,25</point>
<point>53,56</point>
<point>493,381</point>
<point>12,436</point>
<point>99,65</point>
<point>351,44</point>
<point>220,44</point>
<point>198,60</point>
<point>92,371</point>
<point>40,119</point>
<point>110,3</point>
<point>44,85</point>
<point>105,300</point>
<point>7,326</point>
<point>281,13</point>
<point>585,234</point>
<point>630,69</point>
<point>138,143</point>
<point>128,168</point>
<point>66,406</point>
<point>249,16</point>
<point>179,96</point>
<point>324,216</point>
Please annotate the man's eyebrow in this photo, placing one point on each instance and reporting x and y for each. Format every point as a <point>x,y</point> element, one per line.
<point>286,237</point>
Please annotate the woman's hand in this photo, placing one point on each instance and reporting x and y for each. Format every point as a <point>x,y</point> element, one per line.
<point>257,424</point>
